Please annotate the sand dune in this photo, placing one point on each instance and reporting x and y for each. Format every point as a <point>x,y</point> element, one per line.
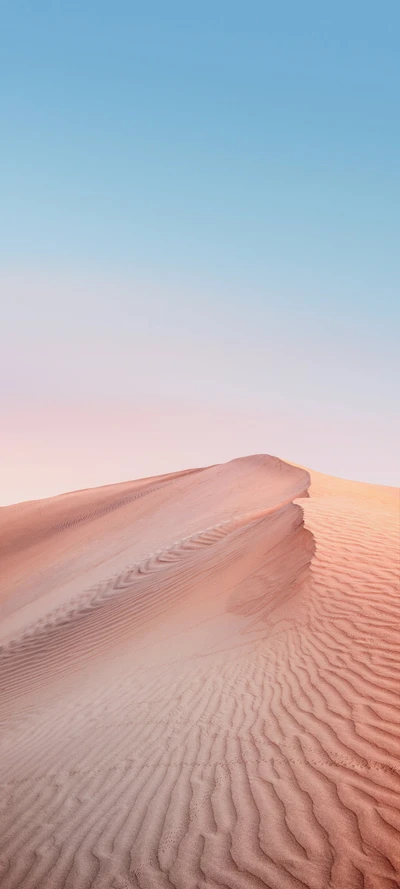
<point>200,684</point>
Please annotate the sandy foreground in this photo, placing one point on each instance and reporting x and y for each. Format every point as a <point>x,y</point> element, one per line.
<point>200,684</point>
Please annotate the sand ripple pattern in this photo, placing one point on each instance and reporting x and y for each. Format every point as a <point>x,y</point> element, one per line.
<point>223,714</point>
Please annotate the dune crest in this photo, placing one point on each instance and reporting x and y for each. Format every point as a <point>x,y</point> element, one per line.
<point>199,684</point>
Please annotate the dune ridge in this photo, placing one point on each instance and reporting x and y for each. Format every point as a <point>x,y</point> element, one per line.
<point>200,684</point>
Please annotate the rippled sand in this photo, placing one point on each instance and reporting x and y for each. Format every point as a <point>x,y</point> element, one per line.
<point>200,684</point>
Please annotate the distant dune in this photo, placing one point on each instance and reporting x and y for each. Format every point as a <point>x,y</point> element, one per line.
<point>200,684</point>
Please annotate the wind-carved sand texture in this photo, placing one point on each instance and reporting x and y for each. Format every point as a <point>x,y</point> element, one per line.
<point>200,689</point>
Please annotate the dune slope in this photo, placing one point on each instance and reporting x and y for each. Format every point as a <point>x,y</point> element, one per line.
<point>200,684</point>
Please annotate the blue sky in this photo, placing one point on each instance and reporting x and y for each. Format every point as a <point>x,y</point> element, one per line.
<point>223,175</point>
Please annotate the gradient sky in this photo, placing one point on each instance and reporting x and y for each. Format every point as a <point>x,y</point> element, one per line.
<point>199,238</point>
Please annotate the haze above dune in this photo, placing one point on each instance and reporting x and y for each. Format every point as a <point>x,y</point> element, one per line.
<point>200,683</point>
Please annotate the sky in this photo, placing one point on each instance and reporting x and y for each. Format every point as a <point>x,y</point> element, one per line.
<point>199,230</point>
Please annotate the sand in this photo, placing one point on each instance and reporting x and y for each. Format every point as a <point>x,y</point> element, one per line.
<point>200,684</point>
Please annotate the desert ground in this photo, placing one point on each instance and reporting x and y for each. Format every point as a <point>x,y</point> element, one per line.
<point>200,684</point>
